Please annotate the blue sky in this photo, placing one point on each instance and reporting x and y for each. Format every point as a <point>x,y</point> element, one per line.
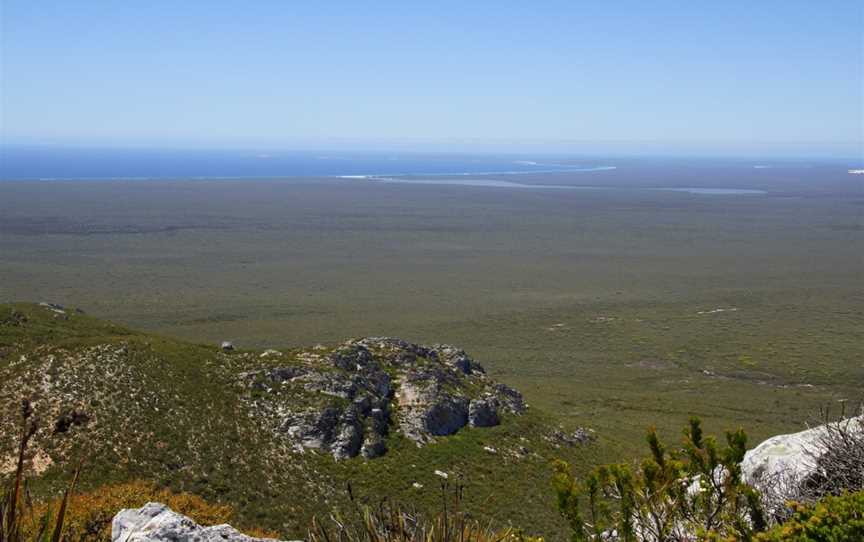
<point>280,74</point>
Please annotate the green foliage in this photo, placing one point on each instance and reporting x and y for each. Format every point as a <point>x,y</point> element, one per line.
<point>394,523</point>
<point>398,525</point>
<point>171,389</point>
<point>832,519</point>
<point>694,489</point>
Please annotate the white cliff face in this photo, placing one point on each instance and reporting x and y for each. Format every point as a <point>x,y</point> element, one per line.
<point>155,522</point>
<point>791,456</point>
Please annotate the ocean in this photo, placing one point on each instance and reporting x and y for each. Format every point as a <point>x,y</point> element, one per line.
<point>55,163</point>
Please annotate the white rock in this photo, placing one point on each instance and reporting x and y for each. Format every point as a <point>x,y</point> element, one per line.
<point>155,522</point>
<point>791,456</point>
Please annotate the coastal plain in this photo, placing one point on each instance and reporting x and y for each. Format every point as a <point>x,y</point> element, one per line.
<point>618,306</point>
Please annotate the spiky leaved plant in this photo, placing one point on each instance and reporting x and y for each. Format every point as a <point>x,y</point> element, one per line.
<point>14,507</point>
<point>395,523</point>
<point>681,494</point>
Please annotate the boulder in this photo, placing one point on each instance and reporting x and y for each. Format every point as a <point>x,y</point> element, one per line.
<point>483,412</point>
<point>511,399</point>
<point>446,415</point>
<point>155,522</point>
<point>789,460</point>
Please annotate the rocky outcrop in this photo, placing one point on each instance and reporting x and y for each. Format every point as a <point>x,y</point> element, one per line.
<point>580,436</point>
<point>346,400</point>
<point>155,522</point>
<point>784,462</point>
<point>483,412</point>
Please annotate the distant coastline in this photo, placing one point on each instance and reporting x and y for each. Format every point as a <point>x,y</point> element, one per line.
<point>148,164</point>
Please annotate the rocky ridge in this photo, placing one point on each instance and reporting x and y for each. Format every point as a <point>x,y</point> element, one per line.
<point>346,400</point>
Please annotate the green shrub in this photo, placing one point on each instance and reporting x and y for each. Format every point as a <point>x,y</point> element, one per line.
<point>692,491</point>
<point>396,524</point>
<point>832,519</point>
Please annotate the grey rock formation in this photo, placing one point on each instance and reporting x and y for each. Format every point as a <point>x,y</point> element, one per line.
<point>483,412</point>
<point>580,436</point>
<point>511,399</point>
<point>457,358</point>
<point>352,357</point>
<point>346,400</point>
<point>784,462</point>
<point>312,428</point>
<point>347,443</point>
<point>155,522</point>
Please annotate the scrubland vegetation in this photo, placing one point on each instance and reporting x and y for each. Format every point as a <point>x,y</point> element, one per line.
<point>610,310</point>
<point>686,494</point>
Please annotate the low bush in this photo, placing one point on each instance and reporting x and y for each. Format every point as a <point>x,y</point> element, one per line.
<point>832,519</point>
<point>692,491</point>
<point>396,524</point>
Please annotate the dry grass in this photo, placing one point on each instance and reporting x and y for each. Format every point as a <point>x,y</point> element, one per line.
<point>90,514</point>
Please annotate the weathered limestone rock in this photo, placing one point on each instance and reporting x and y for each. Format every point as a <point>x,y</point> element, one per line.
<point>511,399</point>
<point>155,522</point>
<point>792,457</point>
<point>344,402</point>
<point>347,443</point>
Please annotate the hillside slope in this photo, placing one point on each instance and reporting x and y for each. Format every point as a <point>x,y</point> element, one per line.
<point>278,434</point>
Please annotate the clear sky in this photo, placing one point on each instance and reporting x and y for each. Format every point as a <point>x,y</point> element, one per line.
<point>731,74</point>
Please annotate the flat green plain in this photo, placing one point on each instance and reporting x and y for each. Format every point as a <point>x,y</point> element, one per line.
<point>614,308</point>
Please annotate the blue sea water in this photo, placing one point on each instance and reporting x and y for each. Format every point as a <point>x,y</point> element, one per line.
<point>28,163</point>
